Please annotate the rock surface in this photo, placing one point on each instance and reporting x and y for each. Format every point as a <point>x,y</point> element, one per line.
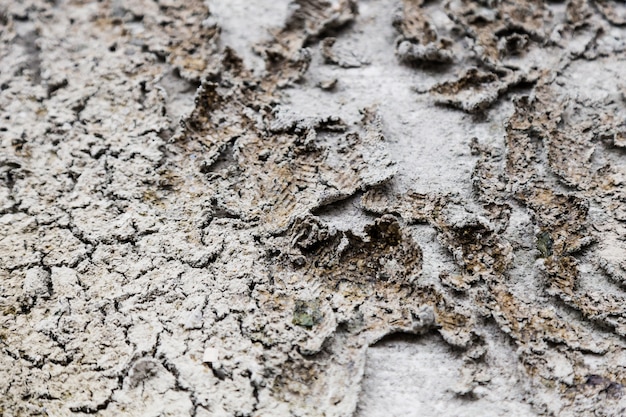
<point>312,208</point>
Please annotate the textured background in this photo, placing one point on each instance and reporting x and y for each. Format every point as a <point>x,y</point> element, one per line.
<point>307,208</point>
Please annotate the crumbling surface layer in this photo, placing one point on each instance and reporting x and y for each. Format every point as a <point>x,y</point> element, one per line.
<point>312,208</point>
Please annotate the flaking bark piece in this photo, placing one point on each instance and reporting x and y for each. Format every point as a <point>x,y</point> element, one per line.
<point>500,23</point>
<point>476,90</point>
<point>314,18</point>
<point>419,41</point>
<point>610,10</point>
<point>412,53</point>
<point>286,56</point>
<point>181,33</point>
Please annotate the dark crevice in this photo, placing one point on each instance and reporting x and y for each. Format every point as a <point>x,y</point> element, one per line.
<point>33,64</point>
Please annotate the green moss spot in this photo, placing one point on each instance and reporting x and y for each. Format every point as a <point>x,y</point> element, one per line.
<point>307,313</point>
<point>544,244</point>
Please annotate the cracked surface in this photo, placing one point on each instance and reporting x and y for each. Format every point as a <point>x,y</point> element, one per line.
<point>374,207</point>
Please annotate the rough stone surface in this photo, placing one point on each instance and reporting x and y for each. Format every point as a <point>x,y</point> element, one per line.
<point>312,208</point>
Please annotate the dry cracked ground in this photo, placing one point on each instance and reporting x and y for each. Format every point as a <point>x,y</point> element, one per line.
<point>312,208</point>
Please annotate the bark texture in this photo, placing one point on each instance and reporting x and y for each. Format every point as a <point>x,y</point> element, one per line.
<point>312,208</point>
